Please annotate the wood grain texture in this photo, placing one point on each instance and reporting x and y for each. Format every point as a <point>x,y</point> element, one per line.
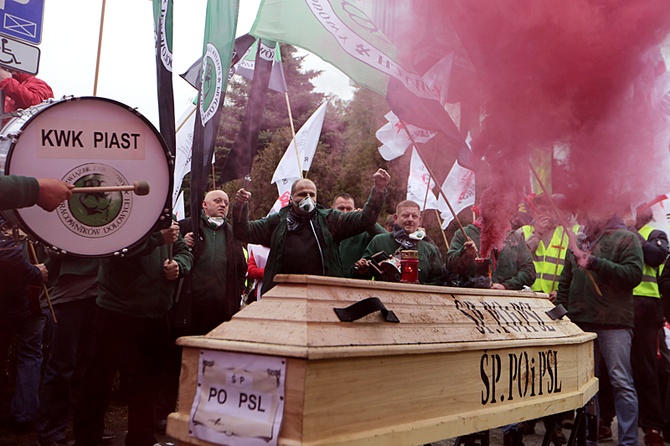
<point>459,361</point>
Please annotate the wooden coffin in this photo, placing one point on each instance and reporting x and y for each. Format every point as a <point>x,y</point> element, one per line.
<point>459,361</point>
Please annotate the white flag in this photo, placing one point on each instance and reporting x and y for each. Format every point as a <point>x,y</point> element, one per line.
<point>418,189</point>
<point>307,138</point>
<point>178,207</point>
<point>182,163</point>
<point>288,170</point>
<point>459,187</point>
<point>394,138</point>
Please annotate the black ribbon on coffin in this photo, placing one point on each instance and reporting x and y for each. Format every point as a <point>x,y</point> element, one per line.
<point>363,308</point>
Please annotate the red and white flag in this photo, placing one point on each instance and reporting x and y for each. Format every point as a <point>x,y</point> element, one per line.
<point>459,188</point>
<point>420,184</point>
<point>394,138</point>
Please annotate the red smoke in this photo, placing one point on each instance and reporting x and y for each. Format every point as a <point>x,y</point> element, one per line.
<point>576,74</point>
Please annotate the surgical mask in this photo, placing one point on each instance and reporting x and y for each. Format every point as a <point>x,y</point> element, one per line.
<point>307,205</point>
<point>419,234</point>
<point>216,221</point>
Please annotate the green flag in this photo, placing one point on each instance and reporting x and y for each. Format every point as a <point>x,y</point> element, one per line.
<point>342,34</point>
<point>219,40</point>
<point>347,35</point>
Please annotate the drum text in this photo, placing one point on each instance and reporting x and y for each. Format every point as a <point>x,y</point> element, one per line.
<point>60,138</point>
<point>522,375</point>
<point>98,139</point>
<point>113,140</point>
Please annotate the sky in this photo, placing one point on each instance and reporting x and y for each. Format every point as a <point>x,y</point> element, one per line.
<point>127,63</point>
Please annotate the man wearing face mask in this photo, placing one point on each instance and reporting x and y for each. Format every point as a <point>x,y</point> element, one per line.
<point>303,237</point>
<point>209,295</point>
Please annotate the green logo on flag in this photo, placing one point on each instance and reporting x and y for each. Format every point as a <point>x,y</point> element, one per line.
<point>165,34</point>
<point>212,83</point>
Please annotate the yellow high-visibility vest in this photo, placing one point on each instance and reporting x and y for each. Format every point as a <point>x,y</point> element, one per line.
<point>649,285</point>
<point>548,260</point>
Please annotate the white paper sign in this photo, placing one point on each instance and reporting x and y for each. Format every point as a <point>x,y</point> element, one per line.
<point>239,400</point>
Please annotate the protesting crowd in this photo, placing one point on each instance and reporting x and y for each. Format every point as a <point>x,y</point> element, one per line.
<point>122,315</point>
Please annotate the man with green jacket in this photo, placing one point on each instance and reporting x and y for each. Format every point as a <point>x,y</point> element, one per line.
<point>596,287</point>
<point>513,267</point>
<point>304,237</point>
<point>19,192</point>
<point>352,249</point>
<point>406,235</point>
<point>135,293</point>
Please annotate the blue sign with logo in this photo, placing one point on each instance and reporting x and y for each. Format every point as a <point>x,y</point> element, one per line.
<point>22,19</point>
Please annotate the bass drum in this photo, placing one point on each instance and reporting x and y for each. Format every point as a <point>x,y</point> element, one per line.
<point>89,141</point>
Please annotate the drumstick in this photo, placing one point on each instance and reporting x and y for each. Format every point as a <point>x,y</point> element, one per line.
<point>139,187</point>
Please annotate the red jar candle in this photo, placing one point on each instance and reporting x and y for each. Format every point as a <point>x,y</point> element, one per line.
<point>409,266</point>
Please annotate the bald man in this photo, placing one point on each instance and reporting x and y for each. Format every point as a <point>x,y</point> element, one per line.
<point>304,237</point>
<point>216,282</point>
<point>209,296</point>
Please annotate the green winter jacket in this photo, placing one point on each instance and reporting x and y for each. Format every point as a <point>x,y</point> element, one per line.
<point>135,285</point>
<point>514,265</point>
<point>430,260</point>
<point>332,226</point>
<point>617,269</point>
<point>216,282</point>
<point>352,249</point>
<point>18,192</point>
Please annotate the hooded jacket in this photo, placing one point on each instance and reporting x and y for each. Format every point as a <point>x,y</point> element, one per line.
<point>616,266</point>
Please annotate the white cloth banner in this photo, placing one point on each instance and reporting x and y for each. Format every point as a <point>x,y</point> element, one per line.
<point>307,139</point>
<point>418,189</point>
<point>178,207</point>
<point>182,164</point>
<point>459,187</point>
<point>394,138</point>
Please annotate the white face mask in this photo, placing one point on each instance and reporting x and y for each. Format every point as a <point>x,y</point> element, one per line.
<point>307,205</point>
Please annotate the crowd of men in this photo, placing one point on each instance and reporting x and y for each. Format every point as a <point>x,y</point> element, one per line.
<point>125,313</point>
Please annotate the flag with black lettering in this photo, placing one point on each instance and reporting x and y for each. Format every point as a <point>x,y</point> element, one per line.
<point>219,40</point>
<point>349,38</point>
<point>163,35</point>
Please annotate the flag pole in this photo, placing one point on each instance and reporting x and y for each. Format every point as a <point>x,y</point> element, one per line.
<point>186,119</point>
<point>430,172</point>
<point>213,176</point>
<point>290,120</point>
<point>439,221</point>
<point>572,242</point>
<point>97,61</point>
<point>437,214</point>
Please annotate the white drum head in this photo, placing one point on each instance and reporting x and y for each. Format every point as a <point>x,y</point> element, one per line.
<point>92,142</point>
